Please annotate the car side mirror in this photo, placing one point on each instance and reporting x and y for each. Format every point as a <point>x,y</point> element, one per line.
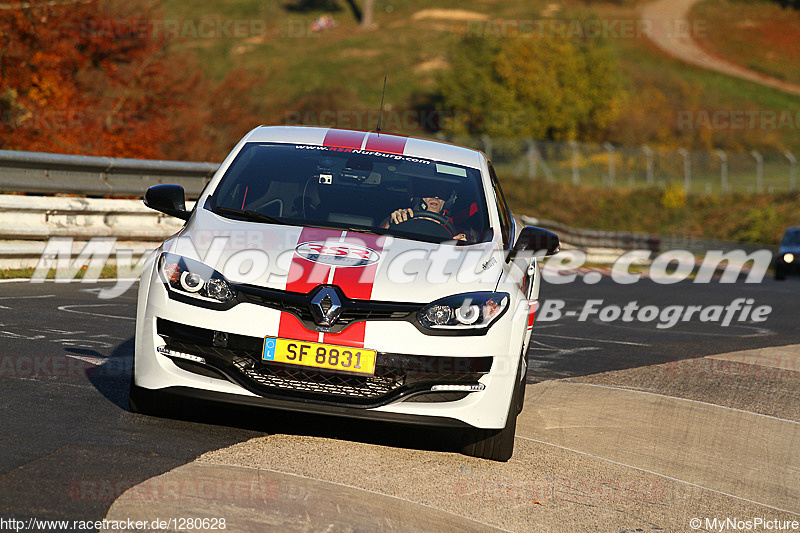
<point>168,198</point>
<point>537,240</point>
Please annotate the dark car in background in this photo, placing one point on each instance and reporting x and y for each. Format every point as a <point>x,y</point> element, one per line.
<point>788,260</point>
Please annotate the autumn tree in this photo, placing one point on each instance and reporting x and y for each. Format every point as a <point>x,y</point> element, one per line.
<point>99,77</point>
<point>545,88</point>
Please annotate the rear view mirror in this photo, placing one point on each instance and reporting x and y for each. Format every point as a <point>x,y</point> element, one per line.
<point>537,240</point>
<point>167,198</point>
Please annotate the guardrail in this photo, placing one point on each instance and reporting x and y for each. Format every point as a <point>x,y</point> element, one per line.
<point>44,173</point>
<point>615,241</point>
<point>40,217</point>
<point>28,222</point>
<point>589,238</point>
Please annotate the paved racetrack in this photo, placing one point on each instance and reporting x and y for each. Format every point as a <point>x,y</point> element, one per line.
<point>626,427</point>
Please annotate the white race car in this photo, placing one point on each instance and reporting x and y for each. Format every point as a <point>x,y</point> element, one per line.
<point>346,273</point>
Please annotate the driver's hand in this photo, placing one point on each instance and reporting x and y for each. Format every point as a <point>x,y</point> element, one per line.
<point>401,215</point>
<point>460,237</point>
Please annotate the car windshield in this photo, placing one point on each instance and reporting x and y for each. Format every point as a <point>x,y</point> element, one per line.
<point>791,238</point>
<point>358,190</point>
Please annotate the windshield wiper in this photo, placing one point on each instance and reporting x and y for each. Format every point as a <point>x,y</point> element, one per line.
<point>253,216</point>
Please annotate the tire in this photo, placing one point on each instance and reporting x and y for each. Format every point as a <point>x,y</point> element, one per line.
<point>496,444</point>
<point>780,273</point>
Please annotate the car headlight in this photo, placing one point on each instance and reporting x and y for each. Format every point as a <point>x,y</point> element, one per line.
<point>475,310</point>
<point>788,257</point>
<point>192,278</point>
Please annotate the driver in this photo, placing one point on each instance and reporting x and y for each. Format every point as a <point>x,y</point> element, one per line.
<point>433,201</point>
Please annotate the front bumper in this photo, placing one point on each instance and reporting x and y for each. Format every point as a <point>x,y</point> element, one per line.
<point>400,389</point>
<point>397,376</point>
<point>332,410</point>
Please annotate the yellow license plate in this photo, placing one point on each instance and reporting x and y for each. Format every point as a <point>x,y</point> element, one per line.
<point>316,355</point>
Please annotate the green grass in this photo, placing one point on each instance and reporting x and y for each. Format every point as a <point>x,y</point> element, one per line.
<point>759,219</point>
<point>108,272</point>
<point>296,62</point>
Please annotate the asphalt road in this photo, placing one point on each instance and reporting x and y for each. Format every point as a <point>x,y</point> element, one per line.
<point>569,347</point>
<point>69,447</point>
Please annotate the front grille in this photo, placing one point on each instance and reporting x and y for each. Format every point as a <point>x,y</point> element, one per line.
<point>396,375</point>
<point>298,304</point>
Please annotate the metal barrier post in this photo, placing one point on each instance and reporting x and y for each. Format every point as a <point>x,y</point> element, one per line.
<point>576,177</point>
<point>687,169</point>
<point>723,170</point>
<point>611,163</point>
<point>648,152</point>
<point>530,154</point>
<point>759,170</point>
<point>792,170</point>
<point>487,145</point>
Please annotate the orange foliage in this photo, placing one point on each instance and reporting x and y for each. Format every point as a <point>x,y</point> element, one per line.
<point>76,78</point>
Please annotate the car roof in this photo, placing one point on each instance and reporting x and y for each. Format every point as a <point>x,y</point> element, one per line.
<point>370,141</point>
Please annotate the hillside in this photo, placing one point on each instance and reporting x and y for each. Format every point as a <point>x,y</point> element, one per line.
<point>335,76</point>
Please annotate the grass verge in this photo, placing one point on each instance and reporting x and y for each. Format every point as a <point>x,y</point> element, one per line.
<point>108,272</point>
<point>759,219</point>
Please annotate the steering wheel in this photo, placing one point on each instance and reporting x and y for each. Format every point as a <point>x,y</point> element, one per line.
<point>433,217</point>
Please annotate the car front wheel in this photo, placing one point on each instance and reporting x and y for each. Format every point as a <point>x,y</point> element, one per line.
<point>496,444</point>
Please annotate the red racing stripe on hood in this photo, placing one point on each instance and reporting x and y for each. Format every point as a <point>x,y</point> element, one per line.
<point>356,283</point>
<point>304,275</point>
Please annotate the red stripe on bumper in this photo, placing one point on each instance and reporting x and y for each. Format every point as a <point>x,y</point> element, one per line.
<point>352,336</point>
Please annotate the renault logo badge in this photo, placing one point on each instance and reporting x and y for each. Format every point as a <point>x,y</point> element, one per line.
<point>326,306</point>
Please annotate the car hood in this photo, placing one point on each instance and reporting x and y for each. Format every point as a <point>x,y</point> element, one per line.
<point>364,266</point>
